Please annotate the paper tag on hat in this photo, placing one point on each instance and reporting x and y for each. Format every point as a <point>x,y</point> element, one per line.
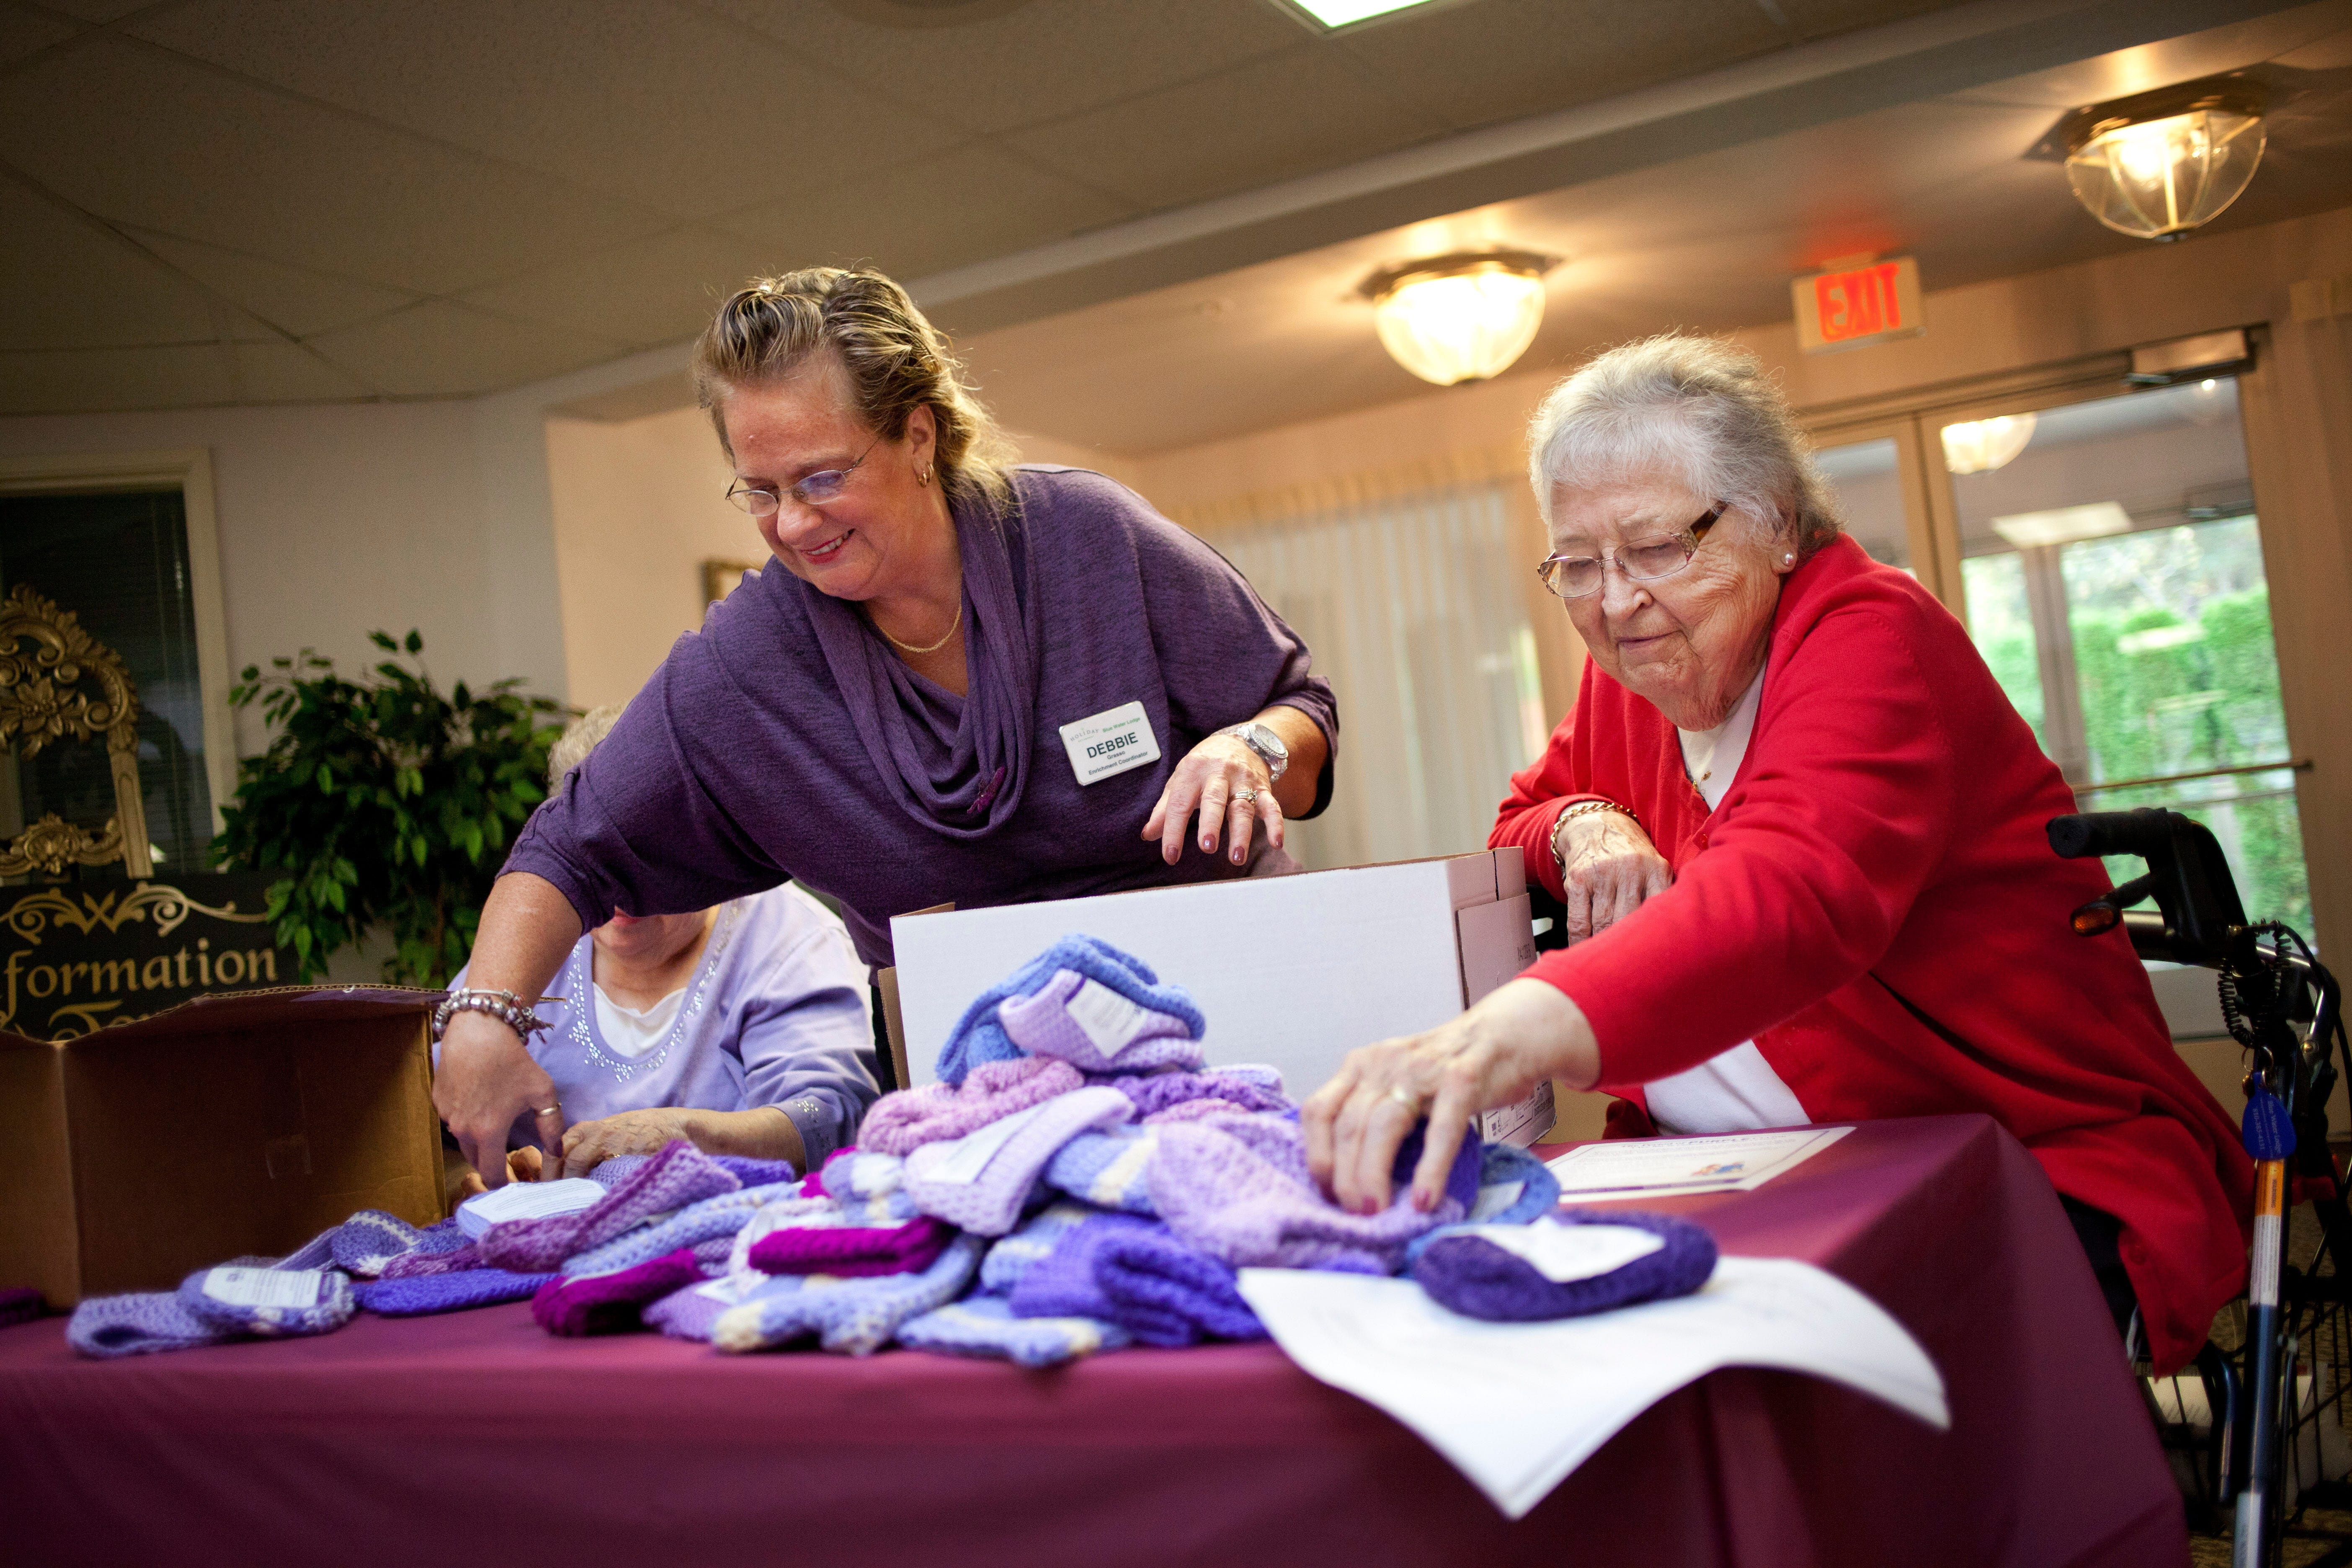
<point>728,1290</point>
<point>961,1162</point>
<point>527,1200</point>
<point>1561,1253</point>
<point>1111,742</point>
<point>1494,1200</point>
<point>239,1287</point>
<point>1107,1018</point>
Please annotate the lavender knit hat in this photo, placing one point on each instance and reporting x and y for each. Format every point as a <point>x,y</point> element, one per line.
<point>679,1175</point>
<point>978,1036</point>
<point>1472,1275</point>
<point>1130,1271</point>
<point>1098,1028</point>
<point>982,1180</point>
<point>1237,1188</point>
<point>905,1121</point>
<point>985,1326</point>
<point>270,1302</point>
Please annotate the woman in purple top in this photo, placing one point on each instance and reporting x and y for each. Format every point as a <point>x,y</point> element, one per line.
<point>966,683</point>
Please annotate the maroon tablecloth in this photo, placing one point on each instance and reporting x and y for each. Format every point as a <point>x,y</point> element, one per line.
<point>477,1438</point>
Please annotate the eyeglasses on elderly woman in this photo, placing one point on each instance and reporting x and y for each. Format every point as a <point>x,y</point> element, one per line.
<point>814,491</point>
<point>1643,560</point>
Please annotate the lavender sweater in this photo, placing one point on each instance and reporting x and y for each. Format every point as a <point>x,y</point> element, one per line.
<point>744,762</point>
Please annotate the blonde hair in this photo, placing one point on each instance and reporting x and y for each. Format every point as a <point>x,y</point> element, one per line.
<point>579,739</point>
<point>1698,408</point>
<point>896,359</point>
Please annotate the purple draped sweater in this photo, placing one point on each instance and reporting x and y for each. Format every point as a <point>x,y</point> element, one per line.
<point>784,741</point>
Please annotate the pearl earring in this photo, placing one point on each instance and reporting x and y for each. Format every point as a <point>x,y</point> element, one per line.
<point>1790,559</point>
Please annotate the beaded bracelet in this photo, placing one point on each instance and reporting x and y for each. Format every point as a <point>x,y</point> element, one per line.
<point>504,1005</point>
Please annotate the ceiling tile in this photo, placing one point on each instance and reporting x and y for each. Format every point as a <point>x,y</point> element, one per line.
<point>440,349</point>
<point>944,212</point>
<point>289,373</point>
<point>66,282</point>
<point>649,291</point>
<point>1269,120</point>
<point>294,301</point>
<point>22,32</point>
<point>1500,59</point>
<point>1038,62</point>
<point>685,113</point>
<point>142,139</point>
<point>90,381</point>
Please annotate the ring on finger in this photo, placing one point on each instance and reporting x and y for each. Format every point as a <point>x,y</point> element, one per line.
<point>1245,797</point>
<point>1411,1102</point>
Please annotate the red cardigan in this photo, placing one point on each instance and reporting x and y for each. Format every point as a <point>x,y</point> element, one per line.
<point>1874,903</point>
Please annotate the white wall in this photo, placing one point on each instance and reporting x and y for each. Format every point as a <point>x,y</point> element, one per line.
<point>333,520</point>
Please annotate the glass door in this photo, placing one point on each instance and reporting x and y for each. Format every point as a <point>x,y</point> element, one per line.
<point>2111,573</point>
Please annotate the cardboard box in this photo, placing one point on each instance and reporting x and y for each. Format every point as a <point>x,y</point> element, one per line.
<point>1294,971</point>
<point>231,1124</point>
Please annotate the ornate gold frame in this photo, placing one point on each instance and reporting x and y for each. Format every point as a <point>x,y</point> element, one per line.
<point>42,700</point>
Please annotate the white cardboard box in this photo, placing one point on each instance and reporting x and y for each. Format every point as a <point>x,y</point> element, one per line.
<point>1292,970</point>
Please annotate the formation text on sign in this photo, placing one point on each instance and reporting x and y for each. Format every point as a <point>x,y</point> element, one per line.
<point>75,957</point>
<point>1846,307</point>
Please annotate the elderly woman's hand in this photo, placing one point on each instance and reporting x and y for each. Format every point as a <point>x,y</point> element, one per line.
<point>1495,1054</point>
<point>588,1145</point>
<point>1607,868</point>
<point>1233,790</point>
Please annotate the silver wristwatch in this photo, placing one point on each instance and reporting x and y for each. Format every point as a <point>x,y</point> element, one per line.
<point>1268,746</point>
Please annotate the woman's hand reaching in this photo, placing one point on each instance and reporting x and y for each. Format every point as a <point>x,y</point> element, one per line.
<point>1231,787</point>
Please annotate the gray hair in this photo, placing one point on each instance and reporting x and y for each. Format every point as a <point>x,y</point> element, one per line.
<point>579,739</point>
<point>1698,409</point>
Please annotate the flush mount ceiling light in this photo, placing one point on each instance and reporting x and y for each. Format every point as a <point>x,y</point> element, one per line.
<point>2158,164</point>
<point>1336,14</point>
<point>1981,445</point>
<point>1464,317</point>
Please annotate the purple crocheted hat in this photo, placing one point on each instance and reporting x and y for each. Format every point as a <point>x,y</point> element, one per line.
<point>1471,1275</point>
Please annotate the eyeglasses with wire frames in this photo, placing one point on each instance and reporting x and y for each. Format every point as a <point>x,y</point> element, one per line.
<point>816,489</point>
<point>1643,560</point>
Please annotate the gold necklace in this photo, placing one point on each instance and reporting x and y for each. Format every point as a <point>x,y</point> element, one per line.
<point>910,647</point>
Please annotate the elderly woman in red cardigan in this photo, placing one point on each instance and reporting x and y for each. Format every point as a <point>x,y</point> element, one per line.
<point>1799,831</point>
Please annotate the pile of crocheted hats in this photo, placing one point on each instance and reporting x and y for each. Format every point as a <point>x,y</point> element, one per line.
<point>1078,1181</point>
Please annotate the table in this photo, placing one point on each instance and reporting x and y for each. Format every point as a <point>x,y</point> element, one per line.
<point>475,1437</point>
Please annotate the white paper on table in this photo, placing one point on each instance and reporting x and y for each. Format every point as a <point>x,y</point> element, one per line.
<point>527,1200</point>
<point>1517,1406</point>
<point>1728,1163</point>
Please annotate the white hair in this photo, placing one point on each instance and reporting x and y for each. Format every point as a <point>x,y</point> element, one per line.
<point>1698,410</point>
<point>579,739</point>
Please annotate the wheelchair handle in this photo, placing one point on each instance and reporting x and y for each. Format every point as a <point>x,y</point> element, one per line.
<point>2147,832</point>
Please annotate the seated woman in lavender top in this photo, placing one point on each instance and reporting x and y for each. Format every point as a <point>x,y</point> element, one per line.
<point>959,681</point>
<point>741,1028</point>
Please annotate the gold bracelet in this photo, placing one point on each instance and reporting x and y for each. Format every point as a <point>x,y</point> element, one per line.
<point>1581,808</point>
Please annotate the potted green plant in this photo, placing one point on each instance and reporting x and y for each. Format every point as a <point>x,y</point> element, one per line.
<point>383,803</point>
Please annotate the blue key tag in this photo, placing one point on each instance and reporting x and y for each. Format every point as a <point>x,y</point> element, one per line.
<point>2268,1132</point>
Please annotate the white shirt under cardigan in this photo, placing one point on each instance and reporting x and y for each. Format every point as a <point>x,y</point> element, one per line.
<point>1737,1091</point>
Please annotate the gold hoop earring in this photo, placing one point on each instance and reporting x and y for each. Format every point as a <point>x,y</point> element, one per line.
<point>924,478</point>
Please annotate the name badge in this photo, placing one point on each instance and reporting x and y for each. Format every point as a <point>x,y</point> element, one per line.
<point>1112,741</point>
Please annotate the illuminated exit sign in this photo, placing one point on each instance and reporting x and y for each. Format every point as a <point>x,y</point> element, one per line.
<point>1849,306</point>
